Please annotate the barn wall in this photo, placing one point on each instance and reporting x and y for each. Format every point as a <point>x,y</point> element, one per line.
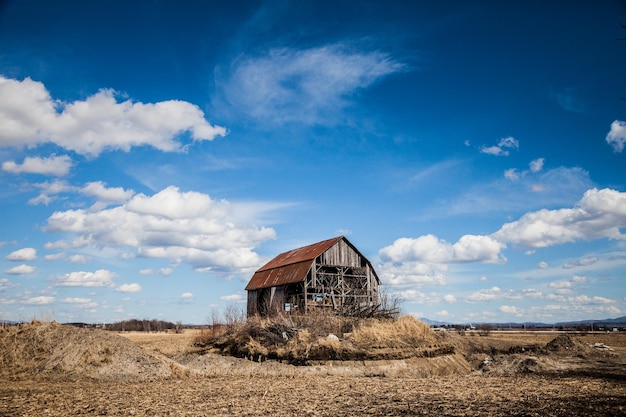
<point>252,300</point>
<point>341,254</point>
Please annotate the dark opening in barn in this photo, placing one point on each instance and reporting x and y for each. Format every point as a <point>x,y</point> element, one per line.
<point>328,276</point>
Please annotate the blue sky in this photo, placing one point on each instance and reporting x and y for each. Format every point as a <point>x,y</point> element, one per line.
<point>154,154</point>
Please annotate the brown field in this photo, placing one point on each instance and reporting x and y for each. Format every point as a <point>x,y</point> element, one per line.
<point>53,370</point>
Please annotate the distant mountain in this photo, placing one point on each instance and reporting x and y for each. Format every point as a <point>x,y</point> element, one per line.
<point>616,322</point>
<point>619,321</point>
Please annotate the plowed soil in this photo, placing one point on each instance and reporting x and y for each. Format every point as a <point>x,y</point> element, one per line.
<point>54,370</point>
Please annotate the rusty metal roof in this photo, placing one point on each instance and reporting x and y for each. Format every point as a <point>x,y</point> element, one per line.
<point>289,267</point>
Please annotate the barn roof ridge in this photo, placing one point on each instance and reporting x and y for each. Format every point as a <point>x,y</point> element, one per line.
<point>301,254</point>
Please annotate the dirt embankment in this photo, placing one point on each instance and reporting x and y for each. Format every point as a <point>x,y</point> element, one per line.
<point>50,351</point>
<point>55,351</point>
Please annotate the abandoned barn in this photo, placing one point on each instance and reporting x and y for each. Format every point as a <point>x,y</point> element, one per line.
<point>331,276</point>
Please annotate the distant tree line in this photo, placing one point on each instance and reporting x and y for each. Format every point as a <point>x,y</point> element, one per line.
<point>145,325</point>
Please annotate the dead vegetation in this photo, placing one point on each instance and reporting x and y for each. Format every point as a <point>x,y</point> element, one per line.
<point>302,340</point>
<point>58,370</point>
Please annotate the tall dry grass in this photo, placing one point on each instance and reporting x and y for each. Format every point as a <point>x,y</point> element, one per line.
<point>404,332</point>
<point>299,339</point>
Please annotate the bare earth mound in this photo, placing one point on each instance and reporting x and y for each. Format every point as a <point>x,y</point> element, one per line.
<point>54,351</point>
<point>57,370</point>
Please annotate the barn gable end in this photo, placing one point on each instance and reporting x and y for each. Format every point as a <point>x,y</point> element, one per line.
<point>331,275</point>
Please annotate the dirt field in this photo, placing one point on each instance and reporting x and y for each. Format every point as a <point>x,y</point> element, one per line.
<point>62,371</point>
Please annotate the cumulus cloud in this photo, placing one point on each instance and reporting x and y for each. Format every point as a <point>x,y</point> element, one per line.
<point>310,86</point>
<point>542,265</point>
<point>106,195</point>
<point>430,249</point>
<point>413,274</point>
<point>98,190</point>
<point>617,136</point>
<point>501,149</point>
<point>536,165</point>
<point>449,298</point>
<point>99,278</point>
<point>186,298</point>
<point>58,166</point>
<point>39,301</point>
<point>134,287</point>
<point>31,117</point>
<point>508,309</point>
<point>22,255</point>
<point>599,214</point>
<point>179,226</point>
<point>21,270</point>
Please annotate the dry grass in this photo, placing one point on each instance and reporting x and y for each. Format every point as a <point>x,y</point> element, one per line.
<point>404,332</point>
<point>302,339</point>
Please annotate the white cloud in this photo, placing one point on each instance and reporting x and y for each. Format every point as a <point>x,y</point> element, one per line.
<point>174,225</point>
<point>162,271</point>
<point>599,214</point>
<point>542,265</point>
<point>579,278</point>
<point>78,259</point>
<point>134,287</point>
<point>31,117</point>
<point>75,300</point>
<point>501,149</point>
<point>54,165</point>
<point>589,260</point>
<point>414,274</point>
<point>186,298</point>
<point>508,309</point>
<point>54,256</point>
<point>430,249</point>
<point>561,284</point>
<point>233,297</point>
<point>617,136</point>
<point>449,298</point>
<point>50,189</point>
<point>512,174</point>
<point>106,196</point>
<point>490,294</point>
<point>39,301</point>
<point>310,86</point>
<point>99,278</point>
<point>6,284</point>
<point>22,255</point>
<point>103,195</point>
<point>21,270</point>
<point>536,165</point>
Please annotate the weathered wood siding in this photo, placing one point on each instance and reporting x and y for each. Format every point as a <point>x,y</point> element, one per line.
<point>341,254</point>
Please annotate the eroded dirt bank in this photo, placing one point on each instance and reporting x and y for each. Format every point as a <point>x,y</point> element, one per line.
<point>50,369</point>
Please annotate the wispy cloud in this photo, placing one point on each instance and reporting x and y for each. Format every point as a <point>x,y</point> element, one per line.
<point>309,86</point>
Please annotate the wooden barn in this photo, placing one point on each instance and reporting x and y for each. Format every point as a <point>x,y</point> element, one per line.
<point>332,276</point>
